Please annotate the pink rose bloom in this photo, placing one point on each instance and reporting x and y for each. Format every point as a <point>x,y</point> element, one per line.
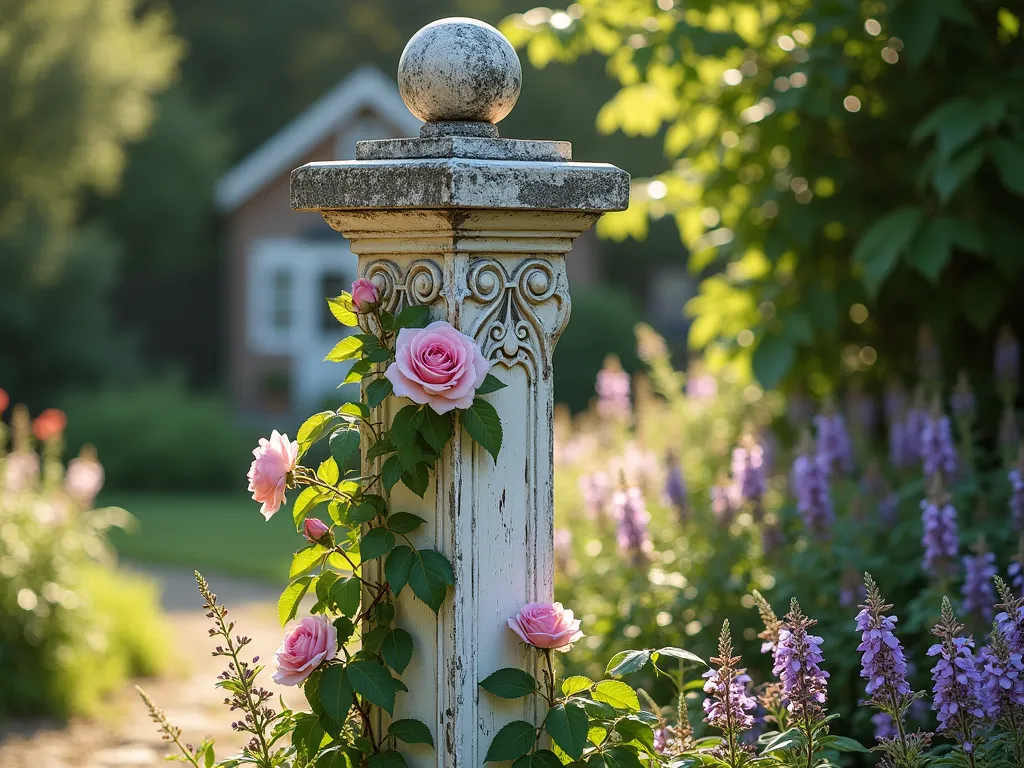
<point>275,458</point>
<point>364,295</point>
<point>315,529</point>
<point>546,625</point>
<point>437,366</point>
<point>84,479</point>
<point>305,647</point>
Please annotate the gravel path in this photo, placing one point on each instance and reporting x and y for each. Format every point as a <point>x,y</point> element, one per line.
<point>122,736</point>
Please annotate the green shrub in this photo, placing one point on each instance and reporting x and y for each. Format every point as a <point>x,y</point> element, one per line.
<point>72,626</point>
<point>160,437</point>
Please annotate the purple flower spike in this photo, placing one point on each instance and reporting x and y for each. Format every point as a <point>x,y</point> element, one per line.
<point>632,517</point>
<point>1016,478</point>
<point>797,664</point>
<point>883,662</point>
<point>813,501</point>
<point>938,453</point>
<point>978,589</point>
<point>1002,679</point>
<point>728,704</point>
<point>675,485</point>
<point>940,540</point>
<point>957,682</point>
<point>748,472</point>
<point>613,389</point>
<point>834,445</point>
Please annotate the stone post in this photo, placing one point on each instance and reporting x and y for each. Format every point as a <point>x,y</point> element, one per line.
<point>477,228</point>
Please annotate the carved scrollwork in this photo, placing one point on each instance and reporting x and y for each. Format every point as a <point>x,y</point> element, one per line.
<point>420,283</point>
<point>525,310</point>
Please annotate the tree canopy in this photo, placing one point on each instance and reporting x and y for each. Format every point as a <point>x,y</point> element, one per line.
<point>840,170</point>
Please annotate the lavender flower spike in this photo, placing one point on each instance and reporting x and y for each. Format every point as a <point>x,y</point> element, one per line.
<point>675,485</point>
<point>797,664</point>
<point>1016,478</point>
<point>728,705</point>
<point>613,389</point>
<point>957,682</point>
<point>834,446</point>
<point>938,454</point>
<point>1002,681</point>
<point>632,516</point>
<point>883,662</point>
<point>748,472</point>
<point>940,539</point>
<point>978,589</point>
<point>813,501</point>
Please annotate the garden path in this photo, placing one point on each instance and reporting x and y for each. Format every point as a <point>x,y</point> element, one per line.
<point>122,735</point>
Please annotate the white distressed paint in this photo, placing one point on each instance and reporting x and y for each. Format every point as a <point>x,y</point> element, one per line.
<point>499,277</point>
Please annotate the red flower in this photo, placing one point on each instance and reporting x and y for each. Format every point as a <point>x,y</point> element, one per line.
<point>5,400</point>
<point>49,424</point>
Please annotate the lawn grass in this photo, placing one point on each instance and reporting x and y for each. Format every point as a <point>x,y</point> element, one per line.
<point>219,533</point>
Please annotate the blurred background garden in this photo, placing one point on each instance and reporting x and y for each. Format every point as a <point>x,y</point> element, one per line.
<point>810,311</point>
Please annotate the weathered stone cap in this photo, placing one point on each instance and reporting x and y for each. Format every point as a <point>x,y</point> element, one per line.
<point>459,183</point>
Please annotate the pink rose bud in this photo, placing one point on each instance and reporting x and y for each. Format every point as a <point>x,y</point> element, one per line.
<point>546,625</point>
<point>316,530</point>
<point>437,366</point>
<point>305,647</point>
<point>364,295</point>
<point>268,475</point>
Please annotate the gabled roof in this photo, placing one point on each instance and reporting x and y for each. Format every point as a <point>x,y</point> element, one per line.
<point>367,87</point>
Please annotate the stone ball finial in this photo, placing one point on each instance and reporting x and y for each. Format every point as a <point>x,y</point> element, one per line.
<point>459,69</point>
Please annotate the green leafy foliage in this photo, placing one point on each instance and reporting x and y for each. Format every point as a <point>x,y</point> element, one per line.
<point>411,732</point>
<point>484,426</point>
<point>818,174</point>
<point>372,680</point>
<point>509,683</point>
<point>567,725</point>
<point>512,741</point>
<point>289,601</point>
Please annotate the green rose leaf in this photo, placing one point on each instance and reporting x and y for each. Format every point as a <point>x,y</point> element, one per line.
<point>404,426</point>
<point>880,247</point>
<point>382,447</point>
<point>391,472</point>
<point>635,730</point>
<point>384,613</point>
<point>328,472</point>
<point>337,757</point>
<point>430,575</point>
<point>366,509</point>
<point>397,568</point>
<point>345,594</point>
<point>411,732</point>
<point>312,429</point>
<point>396,648</point>
<point>575,684</point>
<point>371,680</point>
<point>305,560</point>
<point>387,759</point>
<point>346,628</point>
<point>542,758</point>
<point>344,445</point>
<point>416,316</point>
<point>289,601</point>
<point>618,694</point>
<point>376,542</point>
<point>346,349</point>
<point>305,503</point>
<point>511,742</point>
<point>307,734</point>
<point>509,683</point>
<point>359,369</point>
<point>679,653</point>
<point>417,479</point>
<point>436,428</point>
<point>341,308</point>
<point>621,757</point>
<point>404,522</point>
<point>334,692</point>
<point>484,426</point>
<point>491,384</point>
<point>377,390</point>
<point>409,454</point>
<point>323,586</point>
<point>567,726</point>
<point>625,662</point>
